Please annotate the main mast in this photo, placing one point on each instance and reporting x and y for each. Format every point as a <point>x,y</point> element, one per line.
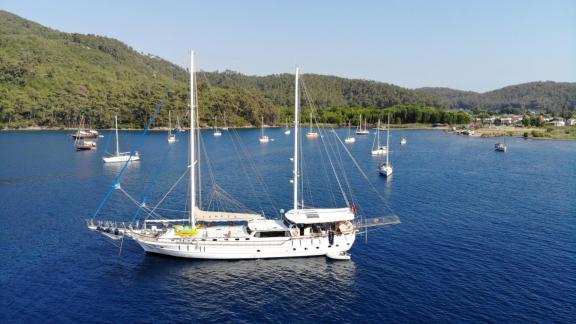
<point>192,145</point>
<point>296,130</point>
<point>387,139</point>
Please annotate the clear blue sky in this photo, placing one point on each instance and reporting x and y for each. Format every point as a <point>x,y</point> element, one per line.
<point>471,46</point>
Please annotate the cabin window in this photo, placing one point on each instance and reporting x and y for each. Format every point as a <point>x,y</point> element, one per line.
<point>272,234</point>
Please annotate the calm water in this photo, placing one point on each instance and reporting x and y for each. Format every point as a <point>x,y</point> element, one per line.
<point>485,236</point>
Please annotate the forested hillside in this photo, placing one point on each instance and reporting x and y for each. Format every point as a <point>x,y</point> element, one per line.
<point>537,96</point>
<point>327,91</point>
<point>50,78</point>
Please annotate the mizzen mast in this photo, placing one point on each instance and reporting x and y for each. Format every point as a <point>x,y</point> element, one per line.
<point>192,146</point>
<point>296,131</point>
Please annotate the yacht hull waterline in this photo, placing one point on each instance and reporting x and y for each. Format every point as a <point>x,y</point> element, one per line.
<point>232,250</point>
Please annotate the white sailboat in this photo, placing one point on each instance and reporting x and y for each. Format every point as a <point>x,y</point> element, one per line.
<point>311,133</point>
<point>360,130</point>
<point>171,136</point>
<point>120,156</point>
<point>386,168</point>
<point>178,128</point>
<point>263,138</point>
<point>217,132</point>
<point>287,130</point>
<point>225,128</point>
<point>403,141</point>
<point>302,232</point>
<point>379,149</point>
<point>350,139</point>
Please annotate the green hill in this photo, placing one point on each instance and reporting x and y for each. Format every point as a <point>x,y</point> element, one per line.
<point>327,91</point>
<point>50,78</point>
<point>538,96</point>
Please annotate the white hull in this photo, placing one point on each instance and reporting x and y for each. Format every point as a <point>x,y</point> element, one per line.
<point>121,158</point>
<point>312,135</point>
<point>380,151</point>
<point>172,139</point>
<point>287,132</point>
<point>264,139</point>
<point>385,171</point>
<point>350,140</point>
<point>228,249</point>
<point>217,134</point>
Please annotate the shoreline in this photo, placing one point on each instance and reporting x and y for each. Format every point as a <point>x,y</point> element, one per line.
<point>160,129</point>
<point>543,133</point>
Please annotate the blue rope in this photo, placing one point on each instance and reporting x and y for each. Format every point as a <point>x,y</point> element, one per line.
<point>116,183</point>
<point>151,185</point>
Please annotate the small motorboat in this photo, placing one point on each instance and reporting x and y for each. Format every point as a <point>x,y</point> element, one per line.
<point>83,145</point>
<point>341,256</point>
<point>500,147</point>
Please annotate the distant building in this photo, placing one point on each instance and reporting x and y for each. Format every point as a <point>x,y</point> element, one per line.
<point>506,121</point>
<point>557,123</point>
<point>571,122</point>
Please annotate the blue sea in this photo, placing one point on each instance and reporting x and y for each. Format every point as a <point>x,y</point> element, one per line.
<point>484,236</point>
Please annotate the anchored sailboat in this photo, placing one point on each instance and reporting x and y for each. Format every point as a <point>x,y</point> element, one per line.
<point>225,128</point>
<point>350,139</point>
<point>120,156</point>
<point>80,142</point>
<point>263,138</point>
<point>385,168</point>
<point>217,133</point>
<point>171,136</point>
<point>379,149</point>
<point>287,130</point>
<point>311,133</point>
<point>360,130</point>
<point>301,232</point>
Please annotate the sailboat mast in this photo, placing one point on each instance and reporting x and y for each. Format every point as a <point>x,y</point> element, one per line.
<point>296,130</point>
<point>117,145</point>
<point>378,136</point>
<point>387,139</point>
<point>169,122</point>
<point>262,126</point>
<point>192,145</point>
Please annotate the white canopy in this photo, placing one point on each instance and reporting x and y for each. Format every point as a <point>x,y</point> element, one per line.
<point>267,225</point>
<point>320,215</point>
<point>219,216</point>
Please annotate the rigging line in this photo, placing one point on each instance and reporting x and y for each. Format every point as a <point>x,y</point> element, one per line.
<point>250,162</point>
<point>345,175</point>
<point>258,176</point>
<point>245,158</point>
<point>106,145</point>
<point>116,183</point>
<point>308,98</point>
<point>330,146</point>
<point>243,165</point>
<point>151,185</point>
<point>364,175</point>
<point>169,191</point>
<point>132,199</point>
